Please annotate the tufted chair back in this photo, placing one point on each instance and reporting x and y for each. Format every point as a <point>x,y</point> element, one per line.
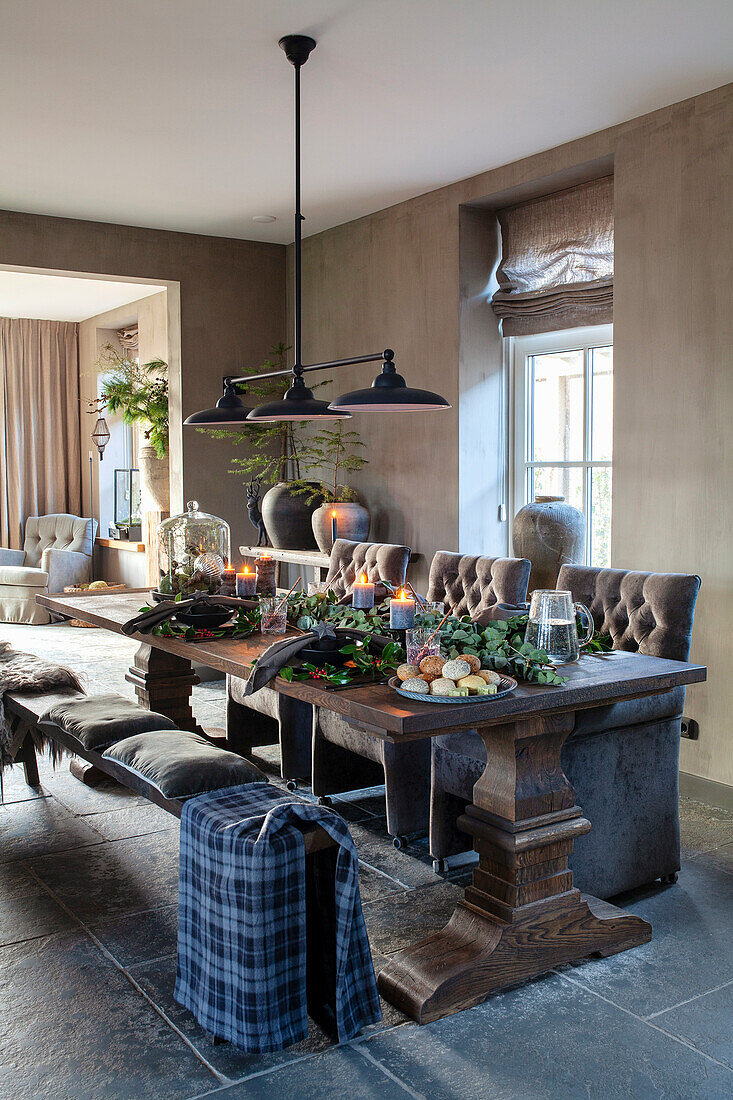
<point>476,584</point>
<point>648,612</point>
<point>379,560</point>
<point>60,531</point>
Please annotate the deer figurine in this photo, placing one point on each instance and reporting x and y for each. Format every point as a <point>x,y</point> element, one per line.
<point>255,513</point>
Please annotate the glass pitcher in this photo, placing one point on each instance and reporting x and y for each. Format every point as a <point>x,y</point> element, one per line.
<point>551,625</point>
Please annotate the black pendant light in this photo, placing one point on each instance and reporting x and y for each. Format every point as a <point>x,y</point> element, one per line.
<point>229,412</point>
<point>298,402</point>
<point>388,392</point>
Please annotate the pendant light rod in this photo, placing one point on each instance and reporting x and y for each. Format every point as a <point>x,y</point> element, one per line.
<point>297,49</point>
<point>387,355</point>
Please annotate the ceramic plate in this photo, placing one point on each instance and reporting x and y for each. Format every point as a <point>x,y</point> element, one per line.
<point>507,684</point>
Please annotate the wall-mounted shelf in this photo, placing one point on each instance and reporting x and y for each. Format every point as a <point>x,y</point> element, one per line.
<point>121,544</point>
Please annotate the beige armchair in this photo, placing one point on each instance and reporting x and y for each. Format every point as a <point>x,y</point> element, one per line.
<point>57,551</point>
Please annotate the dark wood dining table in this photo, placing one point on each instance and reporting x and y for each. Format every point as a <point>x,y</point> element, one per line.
<point>521,915</point>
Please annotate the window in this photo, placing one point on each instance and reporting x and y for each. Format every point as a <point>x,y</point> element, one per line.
<point>563,426</point>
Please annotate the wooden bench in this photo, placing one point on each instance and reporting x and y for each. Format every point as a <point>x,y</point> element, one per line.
<point>24,710</point>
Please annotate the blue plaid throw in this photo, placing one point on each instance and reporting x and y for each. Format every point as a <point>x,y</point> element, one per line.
<point>242,944</point>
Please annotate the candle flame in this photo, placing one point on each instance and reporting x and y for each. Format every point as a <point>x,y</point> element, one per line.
<point>363,579</point>
<point>333,513</point>
<point>402,594</point>
<point>246,569</point>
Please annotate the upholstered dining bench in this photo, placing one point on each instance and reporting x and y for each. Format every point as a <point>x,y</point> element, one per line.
<point>140,749</point>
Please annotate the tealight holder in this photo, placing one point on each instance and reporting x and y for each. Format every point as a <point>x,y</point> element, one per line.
<point>273,615</point>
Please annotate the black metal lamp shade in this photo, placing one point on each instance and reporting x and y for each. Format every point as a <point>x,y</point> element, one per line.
<point>389,393</point>
<point>229,412</point>
<point>298,403</point>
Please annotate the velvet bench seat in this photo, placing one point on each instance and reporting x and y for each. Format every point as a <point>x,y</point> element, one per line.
<point>141,749</point>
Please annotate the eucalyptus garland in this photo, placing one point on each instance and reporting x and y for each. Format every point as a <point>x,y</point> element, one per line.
<point>500,645</point>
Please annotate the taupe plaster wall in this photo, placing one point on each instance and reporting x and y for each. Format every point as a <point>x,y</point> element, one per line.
<point>232,308</point>
<point>404,277</point>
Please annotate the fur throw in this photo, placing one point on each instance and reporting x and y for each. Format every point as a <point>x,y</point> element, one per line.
<point>26,672</point>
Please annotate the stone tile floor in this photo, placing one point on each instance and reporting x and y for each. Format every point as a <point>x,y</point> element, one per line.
<point>87,961</point>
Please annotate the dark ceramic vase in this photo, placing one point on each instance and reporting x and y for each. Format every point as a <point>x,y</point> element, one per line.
<point>551,534</point>
<point>287,518</point>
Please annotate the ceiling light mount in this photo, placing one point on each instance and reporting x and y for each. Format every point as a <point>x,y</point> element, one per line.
<point>297,48</point>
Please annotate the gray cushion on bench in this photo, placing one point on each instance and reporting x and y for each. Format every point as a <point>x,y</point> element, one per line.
<point>181,764</point>
<point>99,720</point>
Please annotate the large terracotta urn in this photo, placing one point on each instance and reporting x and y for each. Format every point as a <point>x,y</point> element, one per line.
<point>352,522</point>
<point>550,533</point>
<point>155,485</point>
<point>287,517</point>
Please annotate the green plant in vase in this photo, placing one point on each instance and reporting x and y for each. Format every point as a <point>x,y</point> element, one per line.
<point>333,453</point>
<point>277,456</point>
<point>139,392</point>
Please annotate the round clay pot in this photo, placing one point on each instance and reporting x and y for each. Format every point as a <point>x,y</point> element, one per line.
<point>287,517</point>
<point>550,533</point>
<point>155,486</point>
<point>352,522</point>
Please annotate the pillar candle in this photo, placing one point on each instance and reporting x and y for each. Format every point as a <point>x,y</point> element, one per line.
<point>334,526</point>
<point>265,575</point>
<point>362,593</point>
<point>246,583</point>
<point>401,612</point>
<point>228,581</point>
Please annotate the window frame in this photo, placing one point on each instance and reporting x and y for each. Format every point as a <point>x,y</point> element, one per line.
<point>523,348</point>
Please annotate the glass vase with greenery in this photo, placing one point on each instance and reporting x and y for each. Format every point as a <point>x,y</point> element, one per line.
<point>139,392</point>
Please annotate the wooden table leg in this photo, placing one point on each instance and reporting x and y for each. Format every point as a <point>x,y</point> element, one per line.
<point>521,915</point>
<point>163,682</point>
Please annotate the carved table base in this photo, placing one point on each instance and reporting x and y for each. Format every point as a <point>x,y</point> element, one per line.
<point>163,683</point>
<point>521,916</point>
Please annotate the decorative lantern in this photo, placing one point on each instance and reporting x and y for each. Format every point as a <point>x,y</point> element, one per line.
<point>101,436</point>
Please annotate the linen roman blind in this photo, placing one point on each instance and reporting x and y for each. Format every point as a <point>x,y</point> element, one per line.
<point>128,339</point>
<point>556,267</point>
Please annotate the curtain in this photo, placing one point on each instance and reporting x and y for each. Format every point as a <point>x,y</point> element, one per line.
<point>40,435</point>
<point>128,339</point>
<point>556,267</point>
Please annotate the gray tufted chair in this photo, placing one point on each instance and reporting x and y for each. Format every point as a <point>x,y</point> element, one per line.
<point>622,759</point>
<point>474,585</point>
<point>57,552</point>
<point>267,717</point>
<point>346,759</point>
<point>379,560</point>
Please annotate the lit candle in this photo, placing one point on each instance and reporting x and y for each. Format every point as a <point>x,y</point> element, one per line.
<point>401,612</point>
<point>362,593</point>
<point>265,575</point>
<point>334,526</point>
<point>246,583</point>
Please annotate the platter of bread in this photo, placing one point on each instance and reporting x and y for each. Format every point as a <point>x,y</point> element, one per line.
<point>461,680</point>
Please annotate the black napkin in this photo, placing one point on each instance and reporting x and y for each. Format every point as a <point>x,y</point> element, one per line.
<point>282,653</point>
<point>162,612</point>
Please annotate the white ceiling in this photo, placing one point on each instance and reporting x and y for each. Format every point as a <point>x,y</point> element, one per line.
<point>177,114</point>
<point>65,298</point>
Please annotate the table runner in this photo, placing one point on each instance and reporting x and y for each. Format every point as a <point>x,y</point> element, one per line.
<point>242,943</point>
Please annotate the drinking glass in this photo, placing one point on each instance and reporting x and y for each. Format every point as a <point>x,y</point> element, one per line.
<point>432,612</point>
<point>273,615</point>
<point>317,588</point>
<point>551,625</point>
<point>419,644</point>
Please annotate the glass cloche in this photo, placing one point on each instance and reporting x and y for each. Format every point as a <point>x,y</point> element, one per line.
<point>193,551</point>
